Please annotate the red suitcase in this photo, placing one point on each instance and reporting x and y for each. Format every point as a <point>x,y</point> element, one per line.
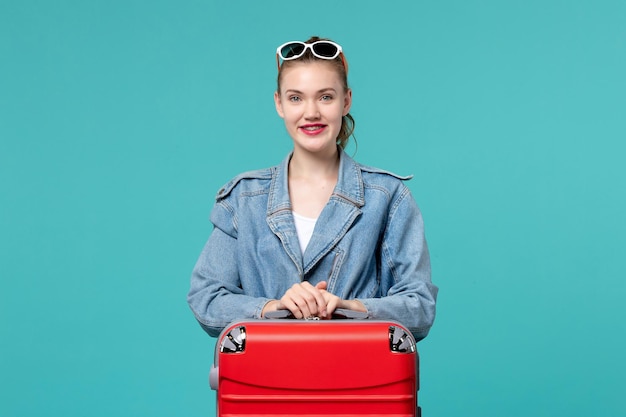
<point>316,368</point>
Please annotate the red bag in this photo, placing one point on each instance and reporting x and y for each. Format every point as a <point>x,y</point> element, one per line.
<point>316,368</point>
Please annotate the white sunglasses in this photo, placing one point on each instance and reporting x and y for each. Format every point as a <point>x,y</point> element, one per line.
<point>321,49</point>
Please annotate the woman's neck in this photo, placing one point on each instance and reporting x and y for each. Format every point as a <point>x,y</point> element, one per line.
<point>312,180</point>
<point>312,166</point>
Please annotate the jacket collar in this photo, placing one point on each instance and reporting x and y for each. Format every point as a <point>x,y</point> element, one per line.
<point>349,184</point>
<point>343,208</point>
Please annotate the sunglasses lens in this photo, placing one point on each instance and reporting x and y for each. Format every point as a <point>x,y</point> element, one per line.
<point>325,49</point>
<point>291,49</point>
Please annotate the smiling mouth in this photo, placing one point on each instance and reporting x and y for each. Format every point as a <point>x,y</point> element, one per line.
<point>312,128</point>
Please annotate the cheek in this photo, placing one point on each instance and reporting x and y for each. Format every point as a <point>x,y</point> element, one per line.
<point>338,112</point>
<point>291,114</point>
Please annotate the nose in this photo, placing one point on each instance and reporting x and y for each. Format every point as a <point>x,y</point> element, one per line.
<point>311,111</point>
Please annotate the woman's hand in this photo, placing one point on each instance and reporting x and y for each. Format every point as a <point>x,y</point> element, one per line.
<point>303,300</point>
<point>333,302</point>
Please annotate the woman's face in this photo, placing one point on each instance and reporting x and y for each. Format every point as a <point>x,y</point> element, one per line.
<point>312,102</point>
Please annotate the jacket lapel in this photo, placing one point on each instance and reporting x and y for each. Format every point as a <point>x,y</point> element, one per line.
<point>279,216</point>
<point>335,220</point>
<point>339,213</point>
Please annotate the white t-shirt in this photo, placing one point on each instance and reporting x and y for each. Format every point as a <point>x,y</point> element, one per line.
<point>304,228</point>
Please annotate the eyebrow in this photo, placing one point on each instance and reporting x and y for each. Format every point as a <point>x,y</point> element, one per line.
<point>323,90</point>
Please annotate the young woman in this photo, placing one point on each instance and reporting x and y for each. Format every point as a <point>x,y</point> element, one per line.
<point>319,231</point>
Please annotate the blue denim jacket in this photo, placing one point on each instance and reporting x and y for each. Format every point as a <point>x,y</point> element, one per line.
<point>368,244</point>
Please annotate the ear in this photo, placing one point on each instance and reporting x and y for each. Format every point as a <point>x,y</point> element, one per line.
<point>347,102</point>
<point>278,104</point>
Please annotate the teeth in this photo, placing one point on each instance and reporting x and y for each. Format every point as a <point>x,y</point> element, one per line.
<point>312,128</point>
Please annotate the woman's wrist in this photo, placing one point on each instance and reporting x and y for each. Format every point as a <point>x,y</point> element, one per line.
<point>354,305</point>
<point>269,306</point>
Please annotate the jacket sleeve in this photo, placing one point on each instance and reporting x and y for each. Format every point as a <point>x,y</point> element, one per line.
<point>215,296</point>
<point>408,296</point>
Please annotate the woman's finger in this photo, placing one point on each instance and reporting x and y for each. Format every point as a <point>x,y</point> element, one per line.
<point>307,299</point>
<point>332,302</point>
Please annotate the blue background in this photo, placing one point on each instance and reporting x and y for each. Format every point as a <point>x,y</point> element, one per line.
<point>119,120</point>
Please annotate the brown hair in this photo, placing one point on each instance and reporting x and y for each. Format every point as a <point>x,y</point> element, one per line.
<point>347,122</point>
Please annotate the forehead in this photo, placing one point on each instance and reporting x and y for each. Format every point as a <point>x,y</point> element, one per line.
<point>310,76</point>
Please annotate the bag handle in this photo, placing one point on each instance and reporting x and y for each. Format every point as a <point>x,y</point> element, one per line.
<point>338,314</point>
